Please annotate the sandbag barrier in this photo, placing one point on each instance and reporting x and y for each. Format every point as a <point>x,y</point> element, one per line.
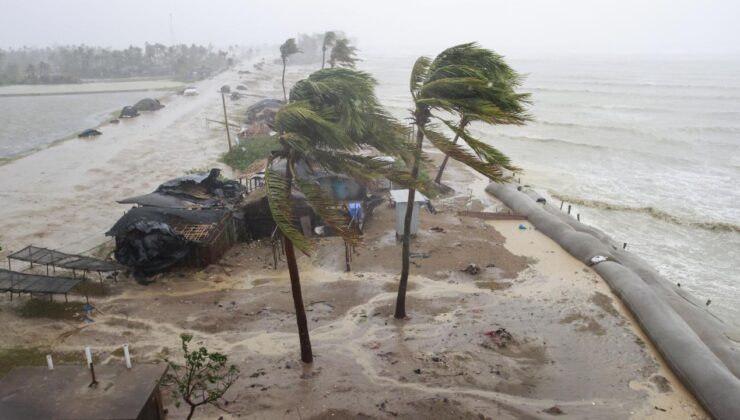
<point>692,340</point>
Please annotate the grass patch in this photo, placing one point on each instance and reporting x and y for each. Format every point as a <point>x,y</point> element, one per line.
<point>39,308</point>
<point>18,356</point>
<point>250,151</point>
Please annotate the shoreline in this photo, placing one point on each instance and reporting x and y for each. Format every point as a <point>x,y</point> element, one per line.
<point>571,354</point>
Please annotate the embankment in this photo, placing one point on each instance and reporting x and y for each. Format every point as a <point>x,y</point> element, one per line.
<point>694,342</point>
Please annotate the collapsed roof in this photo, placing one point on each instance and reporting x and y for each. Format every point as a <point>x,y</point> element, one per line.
<point>264,111</point>
<point>195,191</point>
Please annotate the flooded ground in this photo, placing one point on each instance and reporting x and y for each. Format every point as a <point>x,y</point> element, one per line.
<point>534,332</point>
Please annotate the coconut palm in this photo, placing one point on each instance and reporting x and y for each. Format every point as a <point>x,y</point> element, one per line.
<point>332,116</point>
<point>511,104</point>
<point>455,83</point>
<point>343,54</point>
<point>288,48</point>
<point>329,38</point>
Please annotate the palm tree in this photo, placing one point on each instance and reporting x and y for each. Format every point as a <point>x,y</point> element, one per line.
<point>329,38</point>
<point>343,54</point>
<point>455,83</point>
<point>288,48</point>
<point>511,104</point>
<point>331,116</point>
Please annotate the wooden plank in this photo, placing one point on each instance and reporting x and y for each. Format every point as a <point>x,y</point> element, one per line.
<point>491,216</point>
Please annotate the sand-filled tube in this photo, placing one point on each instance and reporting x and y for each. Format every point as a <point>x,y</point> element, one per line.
<point>693,341</point>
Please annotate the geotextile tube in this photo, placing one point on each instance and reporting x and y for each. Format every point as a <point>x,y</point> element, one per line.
<point>694,342</point>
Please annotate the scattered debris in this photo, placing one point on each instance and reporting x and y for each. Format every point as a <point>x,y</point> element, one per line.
<point>437,229</point>
<point>90,132</point>
<point>501,338</point>
<point>554,410</point>
<point>148,104</point>
<point>472,269</point>
<point>128,112</point>
<point>419,255</point>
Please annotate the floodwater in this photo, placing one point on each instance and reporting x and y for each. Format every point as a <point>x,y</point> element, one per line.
<point>647,149</point>
<point>34,121</point>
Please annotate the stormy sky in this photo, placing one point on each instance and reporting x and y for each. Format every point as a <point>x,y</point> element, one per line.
<point>528,26</point>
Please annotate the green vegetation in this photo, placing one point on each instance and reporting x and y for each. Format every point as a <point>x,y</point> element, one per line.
<point>42,308</point>
<point>329,38</point>
<point>19,356</point>
<point>459,82</point>
<point>203,379</point>
<point>343,54</point>
<point>331,116</point>
<point>287,49</point>
<point>69,64</point>
<point>250,151</point>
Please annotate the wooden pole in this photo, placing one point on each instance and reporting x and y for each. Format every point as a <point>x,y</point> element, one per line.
<point>226,120</point>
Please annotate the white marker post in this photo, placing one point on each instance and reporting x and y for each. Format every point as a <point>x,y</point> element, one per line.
<point>127,356</point>
<point>49,362</point>
<point>88,356</point>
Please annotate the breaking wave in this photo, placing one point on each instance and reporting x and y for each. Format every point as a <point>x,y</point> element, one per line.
<point>645,94</point>
<point>650,211</point>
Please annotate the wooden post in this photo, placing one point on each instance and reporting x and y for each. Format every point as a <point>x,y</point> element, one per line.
<point>624,246</point>
<point>226,120</point>
<point>568,208</point>
<point>578,216</point>
<point>561,204</point>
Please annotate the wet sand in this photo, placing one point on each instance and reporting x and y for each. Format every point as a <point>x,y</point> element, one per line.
<point>533,334</point>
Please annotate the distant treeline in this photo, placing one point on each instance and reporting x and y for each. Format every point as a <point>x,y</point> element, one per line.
<point>310,46</point>
<point>70,64</point>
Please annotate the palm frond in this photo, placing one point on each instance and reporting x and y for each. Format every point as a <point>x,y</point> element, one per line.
<point>486,152</point>
<point>419,74</point>
<point>279,193</point>
<point>441,142</point>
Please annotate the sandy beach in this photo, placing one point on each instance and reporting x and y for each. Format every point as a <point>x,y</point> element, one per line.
<point>535,334</point>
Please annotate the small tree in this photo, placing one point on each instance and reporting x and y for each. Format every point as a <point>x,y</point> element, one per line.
<point>204,379</point>
<point>288,48</point>
<point>329,39</point>
<point>343,54</point>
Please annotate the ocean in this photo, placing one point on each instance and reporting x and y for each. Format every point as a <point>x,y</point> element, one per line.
<point>646,149</point>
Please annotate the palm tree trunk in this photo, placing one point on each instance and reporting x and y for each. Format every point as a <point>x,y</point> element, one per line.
<point>406,251</point>
<point>295,286</point>
<point>438,178</point>
<point>300,311</point>
<point>285,95</point>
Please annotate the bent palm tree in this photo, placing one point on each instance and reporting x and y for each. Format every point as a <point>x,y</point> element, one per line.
<point>456,84</point>
<point>511,104</point>
<point>329,38</point>
<point>288,48</point>
<point>332,116</point>
<point>343,54</point>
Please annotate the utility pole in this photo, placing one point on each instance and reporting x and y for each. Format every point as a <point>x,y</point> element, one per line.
<point>226,119</point>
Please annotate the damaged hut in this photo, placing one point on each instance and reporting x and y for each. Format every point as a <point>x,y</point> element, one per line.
<point>260,117</point>
<point>192,220</point>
